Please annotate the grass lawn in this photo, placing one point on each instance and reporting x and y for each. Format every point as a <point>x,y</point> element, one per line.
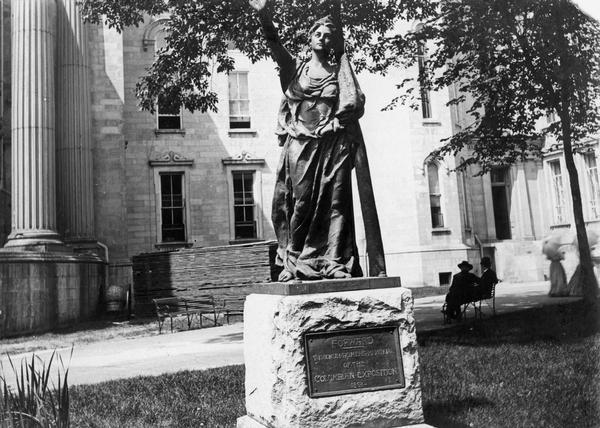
<point>535,368</point>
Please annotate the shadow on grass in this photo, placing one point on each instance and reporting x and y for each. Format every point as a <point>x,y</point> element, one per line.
<point>536,367</point>
<point>559,323</point>
<point>439,412</point>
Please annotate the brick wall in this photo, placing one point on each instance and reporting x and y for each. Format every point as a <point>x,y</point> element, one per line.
<point>195,271</point>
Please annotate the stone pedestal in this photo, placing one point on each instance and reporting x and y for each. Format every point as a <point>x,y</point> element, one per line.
<point>331,359</point>
<point>40,291</point>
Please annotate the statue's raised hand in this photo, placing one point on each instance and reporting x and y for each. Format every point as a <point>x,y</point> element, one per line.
<point>257,5</point>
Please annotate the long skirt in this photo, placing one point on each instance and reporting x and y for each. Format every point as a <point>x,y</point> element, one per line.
<point>312,209</point>
<point>558,280</point>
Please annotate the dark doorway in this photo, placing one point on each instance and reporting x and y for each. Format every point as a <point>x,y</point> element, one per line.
<point>501,201</point>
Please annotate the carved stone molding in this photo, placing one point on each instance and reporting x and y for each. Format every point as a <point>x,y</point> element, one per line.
<point>170,159</point>
<point>244,158</point>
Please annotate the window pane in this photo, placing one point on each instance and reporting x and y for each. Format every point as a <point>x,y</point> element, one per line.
<point>239,214</point>
<point>177,216</point>
<point>176,184</point>
<point>437,220</point>
<point>239,123</point>
<point>245,230</point>
<point>169,122</point>
<point>243,86</point>
<point>233,86</point>
<point>165,184</point>
<point>433,177</point>
<point>234,108</point>
<point>498,175</point>
<point>244,108</point>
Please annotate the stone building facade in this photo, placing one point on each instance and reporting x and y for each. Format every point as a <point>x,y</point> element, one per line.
<point>175,179</point>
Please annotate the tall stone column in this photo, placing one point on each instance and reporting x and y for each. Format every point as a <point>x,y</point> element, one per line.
<point>33,135</point>
<point>75,200</point>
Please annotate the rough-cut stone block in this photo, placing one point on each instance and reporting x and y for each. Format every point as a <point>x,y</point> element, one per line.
<point>276,376</point>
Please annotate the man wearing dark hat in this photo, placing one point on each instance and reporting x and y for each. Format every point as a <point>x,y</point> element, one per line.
<point>462,289</point>
<point>487,280</point>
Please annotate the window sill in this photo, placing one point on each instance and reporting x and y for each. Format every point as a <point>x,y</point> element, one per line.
<point>242,132</point>
<point>432,122</point>
<point>441,231</point>
<point>244,241</point>
<point>168,246</point>
<point>169,131</point>
<point>560,226</point>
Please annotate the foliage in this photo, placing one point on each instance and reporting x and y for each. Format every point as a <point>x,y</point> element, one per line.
<point>199,35</point>
<point>510,63</point>
<point>34,401</point>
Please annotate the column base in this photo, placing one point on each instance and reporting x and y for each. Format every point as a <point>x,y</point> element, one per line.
<point>45,241</point>
<point>86,246</point>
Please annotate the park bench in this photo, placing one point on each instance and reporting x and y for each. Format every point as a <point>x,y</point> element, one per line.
<point>197,307</point>
<point>489,300</point>
<point>233,306</point>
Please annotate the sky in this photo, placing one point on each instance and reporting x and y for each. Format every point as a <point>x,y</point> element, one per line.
<point>591,7</point>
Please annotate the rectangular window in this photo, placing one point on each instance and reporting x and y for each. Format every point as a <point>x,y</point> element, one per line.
<point>425,97</point>
<point>435,197</point>
<point>591,169</point>
<point>168,117</point>
<point>244,205</point>
<point>465,191</point>
<point>558,192</point>
<point>172,207</point>
<point>239,102</point>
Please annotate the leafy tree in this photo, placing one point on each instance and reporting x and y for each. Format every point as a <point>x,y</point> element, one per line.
<point>199,34</point>
<point>510,61</point>
<point>513,62</point>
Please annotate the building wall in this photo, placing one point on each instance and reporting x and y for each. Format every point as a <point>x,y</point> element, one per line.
<point>109,149</point>
<point>129,154</point>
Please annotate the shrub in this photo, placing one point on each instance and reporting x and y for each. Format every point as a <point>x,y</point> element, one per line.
<point>34,401</point>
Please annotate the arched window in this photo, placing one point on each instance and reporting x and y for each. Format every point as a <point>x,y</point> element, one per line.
<point>435,195</point>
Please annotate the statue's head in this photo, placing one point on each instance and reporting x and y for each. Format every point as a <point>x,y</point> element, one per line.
<point>322,34</point>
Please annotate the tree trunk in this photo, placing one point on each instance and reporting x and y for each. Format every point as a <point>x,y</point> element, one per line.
<point>588,278</point>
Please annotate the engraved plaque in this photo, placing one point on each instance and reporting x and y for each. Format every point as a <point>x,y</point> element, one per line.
<point>349,361</point>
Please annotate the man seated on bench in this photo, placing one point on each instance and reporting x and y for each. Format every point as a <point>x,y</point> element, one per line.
<point>462,290</point>
<point>487,280</point>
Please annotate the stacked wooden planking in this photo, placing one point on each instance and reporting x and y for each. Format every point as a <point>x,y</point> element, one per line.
<point>192,272</point>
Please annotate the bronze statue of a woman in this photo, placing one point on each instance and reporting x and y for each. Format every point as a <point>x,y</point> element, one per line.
<point>312,205</point>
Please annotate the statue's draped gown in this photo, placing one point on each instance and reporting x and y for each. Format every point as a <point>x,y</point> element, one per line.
<point>312,205</point>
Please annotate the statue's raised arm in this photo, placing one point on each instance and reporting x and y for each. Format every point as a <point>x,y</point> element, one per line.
<point>286,63</point>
